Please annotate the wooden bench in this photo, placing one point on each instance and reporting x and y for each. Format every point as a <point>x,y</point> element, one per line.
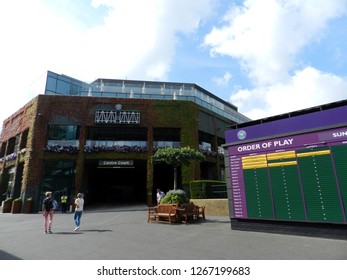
<point>187,211</point>
<point>190,211</point>
<point>200,210</point>
<point>166,213</point>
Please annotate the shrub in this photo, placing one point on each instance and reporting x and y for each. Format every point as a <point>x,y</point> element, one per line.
<point>175,197</point>
<point>201,189</point>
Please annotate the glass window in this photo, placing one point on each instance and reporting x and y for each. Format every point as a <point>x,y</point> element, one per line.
<point>206,140</point>
<point>75,89</point>
<point>63,132</point>
<point>10,183</point>
<point>59,176</point>
<point>166,134</point>
<point>51,84</point>
<point>2,149</point>
<point>24,139</point>
<point>116,134</point>
<point>63,87</point>
<point>12,145</point>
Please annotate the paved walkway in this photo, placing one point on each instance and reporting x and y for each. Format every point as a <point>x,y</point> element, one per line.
<point>123,233</point>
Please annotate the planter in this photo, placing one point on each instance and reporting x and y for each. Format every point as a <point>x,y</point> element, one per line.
<point>27,206</point>
<point>213,206</point>
<point>6,206</point>
<point>16,206</point>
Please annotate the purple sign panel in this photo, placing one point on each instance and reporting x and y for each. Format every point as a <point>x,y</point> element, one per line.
<point>321,119</point>
<point>285,143</point>
<point>237,187</point>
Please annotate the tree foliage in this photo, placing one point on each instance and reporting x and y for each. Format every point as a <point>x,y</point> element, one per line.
<point>177,157</point>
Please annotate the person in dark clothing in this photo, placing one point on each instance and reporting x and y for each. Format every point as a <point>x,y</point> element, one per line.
<point>48,212</point>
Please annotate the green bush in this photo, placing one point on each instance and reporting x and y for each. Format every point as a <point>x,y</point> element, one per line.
<point>200,189</point>
<point>175,197</point>
<point>197,189</point>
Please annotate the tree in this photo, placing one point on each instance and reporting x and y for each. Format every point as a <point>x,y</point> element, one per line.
<point>177,157</point>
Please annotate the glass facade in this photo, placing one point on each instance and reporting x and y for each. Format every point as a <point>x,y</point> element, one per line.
<point>122,136</point>
<point>59,178</point>
<point>166,137</point>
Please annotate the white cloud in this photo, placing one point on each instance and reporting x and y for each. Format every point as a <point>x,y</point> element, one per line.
<point>223,80</point>
<point>307,88</point>
<point>140,43</point>
<point>137,40</point>
<point>266,38</point>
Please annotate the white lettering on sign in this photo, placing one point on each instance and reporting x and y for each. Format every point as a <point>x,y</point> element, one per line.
<point>340,134</point>
<point>265,145</point>
<point>248,148</point>
<point>116,162</point>
<point>280,143</point>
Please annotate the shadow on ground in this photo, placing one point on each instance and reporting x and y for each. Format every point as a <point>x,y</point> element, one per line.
<point>6,256</point>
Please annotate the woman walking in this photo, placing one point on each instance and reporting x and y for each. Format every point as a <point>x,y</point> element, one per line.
<point>48,212</point>
<point>79,202</point>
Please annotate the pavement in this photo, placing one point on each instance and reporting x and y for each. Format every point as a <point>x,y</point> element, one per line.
<point>122,233</point>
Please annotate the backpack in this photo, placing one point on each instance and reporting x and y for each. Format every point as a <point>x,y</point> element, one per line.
<point>50,203</point>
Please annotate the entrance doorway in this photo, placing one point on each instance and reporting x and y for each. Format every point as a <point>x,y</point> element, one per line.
<point>163,178</point>
<point>116,184</point>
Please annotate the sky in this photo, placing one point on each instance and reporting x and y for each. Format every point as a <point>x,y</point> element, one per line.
<point>265,57</point>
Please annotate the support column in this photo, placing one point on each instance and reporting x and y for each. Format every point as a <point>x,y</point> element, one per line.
<point>149,185</point>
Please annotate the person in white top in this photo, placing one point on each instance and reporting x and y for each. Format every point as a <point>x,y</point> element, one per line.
<point>160,196</point>
<point>79,203</point>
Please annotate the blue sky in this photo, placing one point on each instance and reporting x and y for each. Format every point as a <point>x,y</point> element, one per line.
<point>266,57</point>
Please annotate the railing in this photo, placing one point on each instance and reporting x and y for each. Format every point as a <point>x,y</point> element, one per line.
<point>164,144</point>
<point>63,143</point>
<point>112,143</point>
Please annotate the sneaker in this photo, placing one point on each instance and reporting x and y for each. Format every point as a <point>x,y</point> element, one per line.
<point>50,231</point>
<point>76,228</point>
<point>45,231</point>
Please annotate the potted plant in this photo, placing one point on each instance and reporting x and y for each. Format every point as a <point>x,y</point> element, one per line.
<point>6,205</point>
<point>16,205</point>
<point>28,205</point>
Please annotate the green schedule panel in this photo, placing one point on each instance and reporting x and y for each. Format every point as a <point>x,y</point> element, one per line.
<point>339,155</point>
<point>285,183</point>
<point>259,202</point>
<point>319,185</point>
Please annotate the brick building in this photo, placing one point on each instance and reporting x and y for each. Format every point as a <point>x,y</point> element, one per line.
<point>98,139</point>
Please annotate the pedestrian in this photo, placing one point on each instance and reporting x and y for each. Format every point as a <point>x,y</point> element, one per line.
<point>48,212</point>
<point>63,201</point>
<point>79,203</point>
<point>160,196</point>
